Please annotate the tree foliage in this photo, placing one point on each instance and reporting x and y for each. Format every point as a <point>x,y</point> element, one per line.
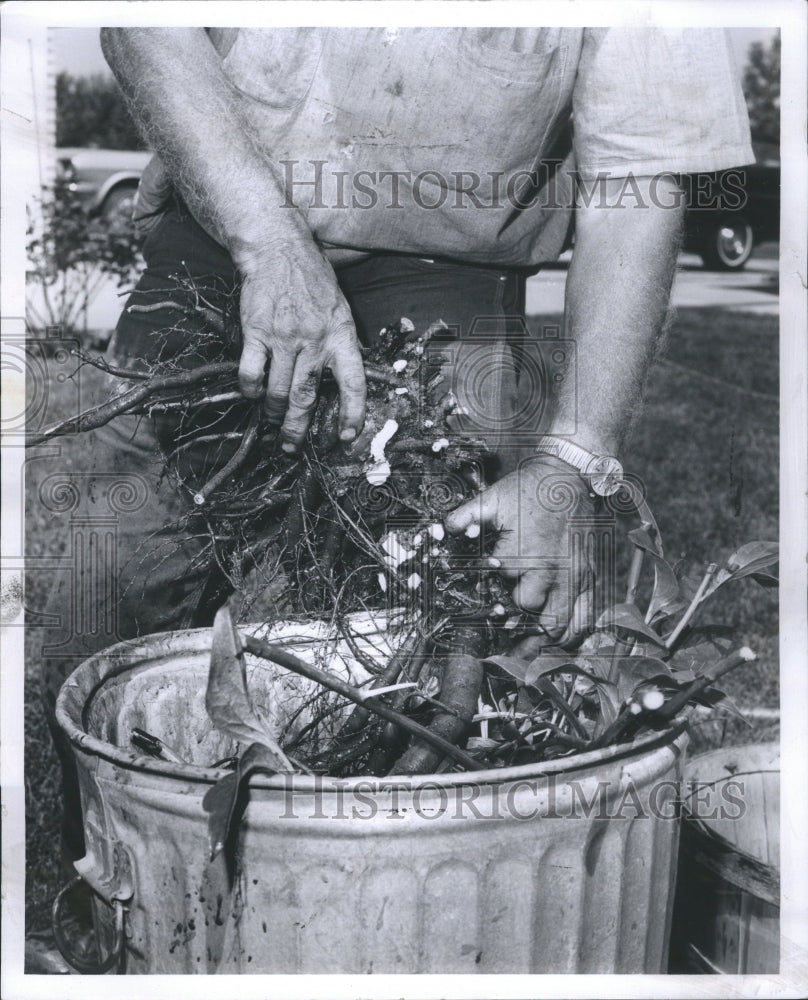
<point>761,87</point>
<point>91,111</point>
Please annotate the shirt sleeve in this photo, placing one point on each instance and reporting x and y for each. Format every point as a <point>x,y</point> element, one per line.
<point>653,100</point>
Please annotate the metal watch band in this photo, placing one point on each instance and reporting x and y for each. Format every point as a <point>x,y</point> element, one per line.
<point>576,456</point>
<point>605,473</point>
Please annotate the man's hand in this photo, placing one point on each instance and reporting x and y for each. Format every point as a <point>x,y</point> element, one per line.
<point>529,509</point>
<point>294,317</point>
<point>617,295</point>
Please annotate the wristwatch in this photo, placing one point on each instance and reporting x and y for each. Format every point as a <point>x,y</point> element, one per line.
<point>605,473</point>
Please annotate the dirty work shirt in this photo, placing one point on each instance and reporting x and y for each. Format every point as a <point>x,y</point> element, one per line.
<point>430,140</point>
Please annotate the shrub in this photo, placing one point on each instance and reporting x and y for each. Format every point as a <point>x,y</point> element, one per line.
<point>70,256</point>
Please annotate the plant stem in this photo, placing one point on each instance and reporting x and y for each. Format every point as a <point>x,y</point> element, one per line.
<point>624,646</point>
<point>691,608</point>
<point>461,680</point>
<point>236,461</point>
<point>674,705</point>
<point>377,692</point>
<point>105,366</point>
<point>331,547</point>
<point>635,570</point>
<point>127,401</point>
<point>612,731</point>
<point>100,415</point>
<point>409,649</point>
<point>358,654</point>
<point>210,315</point>
<point>185,404</point>
<point>276,654</point>
<point>335,761</point>
<point>204,439</point>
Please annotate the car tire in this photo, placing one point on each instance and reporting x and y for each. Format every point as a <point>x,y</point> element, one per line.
<point>118,206</point>
<point>728,244</point>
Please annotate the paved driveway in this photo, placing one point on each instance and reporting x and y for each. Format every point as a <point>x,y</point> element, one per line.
<point>751,290</point>
<point>755,289</point>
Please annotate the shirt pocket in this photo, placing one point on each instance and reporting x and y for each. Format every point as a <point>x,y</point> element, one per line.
<point>519,93</point>
<point>517,58</point>
<point>274,66</point>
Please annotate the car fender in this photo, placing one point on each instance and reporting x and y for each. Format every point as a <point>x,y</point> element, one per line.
<point>129,177</point>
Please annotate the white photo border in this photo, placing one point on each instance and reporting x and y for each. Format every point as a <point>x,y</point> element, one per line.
<point>24,61</point>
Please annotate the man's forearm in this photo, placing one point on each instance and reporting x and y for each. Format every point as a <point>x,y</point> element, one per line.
<point>294,319</point>
<point>618,289</point>
<point>192,115</point>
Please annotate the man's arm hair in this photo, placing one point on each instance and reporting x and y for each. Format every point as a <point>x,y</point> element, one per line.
<point>294,318</point>
<point>617,299</point>
<point>193,117</point>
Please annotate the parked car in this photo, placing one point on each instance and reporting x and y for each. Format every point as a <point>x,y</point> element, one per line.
<point>730,212</point>
<point>104,179</point>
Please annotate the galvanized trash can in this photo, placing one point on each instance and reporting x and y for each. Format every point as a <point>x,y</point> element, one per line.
<point>566,866</point>
<point>727,909</point>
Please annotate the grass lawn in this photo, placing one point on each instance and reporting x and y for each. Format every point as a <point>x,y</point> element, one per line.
<point>706,445</point>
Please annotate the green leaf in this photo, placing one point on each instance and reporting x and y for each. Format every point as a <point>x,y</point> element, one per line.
<point>513,666</point>
<point>609,708</point>
<point>633,671</point>
<point>688,582</point>
<point>547,663</point>
<point>717,666</point>
<point>543,666</point>
<point>220,800</point>
<point>553,695</point>
<point>227,699</point>
<point>666,596</point>
<point>752,557</point>
<point>599,666</point>
<point>766,579</point>
<point>628,617</point>
<point>597,643</point>
<point>749,560</point>
<point>702,645</point>
<point>715,698</point>
<point>643,540</point>
<point>645,515</point>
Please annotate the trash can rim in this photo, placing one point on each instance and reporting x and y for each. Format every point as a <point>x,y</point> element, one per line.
<point>126,655</point>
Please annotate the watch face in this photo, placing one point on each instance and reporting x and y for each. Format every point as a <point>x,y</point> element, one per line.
<point>606,476</point>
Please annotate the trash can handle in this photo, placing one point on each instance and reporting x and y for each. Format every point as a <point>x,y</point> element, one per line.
<point>64,946</point>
